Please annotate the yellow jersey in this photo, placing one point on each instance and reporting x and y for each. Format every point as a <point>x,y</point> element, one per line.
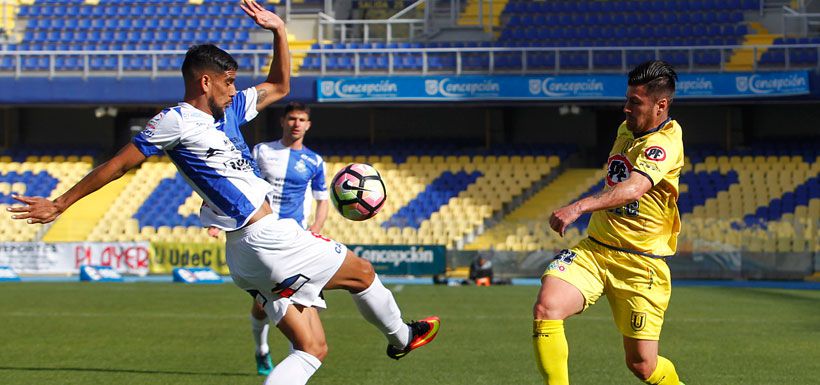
<point>650,225</point>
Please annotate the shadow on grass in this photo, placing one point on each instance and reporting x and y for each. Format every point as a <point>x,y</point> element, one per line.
<point>132,371</point>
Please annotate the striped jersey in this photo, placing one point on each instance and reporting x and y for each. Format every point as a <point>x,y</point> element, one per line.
<point>292,174</point>
<point>651,224</point>
<point>212,157</point>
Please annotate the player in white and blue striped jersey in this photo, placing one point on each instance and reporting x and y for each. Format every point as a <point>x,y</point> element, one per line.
<point>296,172</point>
<point>283,266</point>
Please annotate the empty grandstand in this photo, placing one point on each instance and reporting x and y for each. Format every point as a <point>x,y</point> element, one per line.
<point>482,116</point>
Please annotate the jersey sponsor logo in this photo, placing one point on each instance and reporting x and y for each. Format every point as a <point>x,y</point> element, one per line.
<point>151,126</point>
<point>617,170</point>
<point>649,166</point>
<point>240,164</point>
<point>637,321</point>
<point>655,153</point>
<point>309,159</point>
<point>347,186</point>
<point>290,286</point>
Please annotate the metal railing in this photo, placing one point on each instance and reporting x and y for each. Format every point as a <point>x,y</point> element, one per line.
<point>454,8</point>
<point>799,23</point>
<point>347,28</point>
<point>327,7</point>
<point>552,57</point>
<point>119,70</point>
<point>521,59</point>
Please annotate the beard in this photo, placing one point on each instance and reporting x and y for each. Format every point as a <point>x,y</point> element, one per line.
<point>217,111</point>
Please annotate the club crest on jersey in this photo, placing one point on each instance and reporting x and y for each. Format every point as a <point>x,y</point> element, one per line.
<point>563,258</point>
<point>290,285</point>
<point>300,166</point>
<point>617,169</point>
<point>637,321</point>
<point>655,153</point>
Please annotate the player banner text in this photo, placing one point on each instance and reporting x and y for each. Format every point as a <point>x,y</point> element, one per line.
<point>67,257</point>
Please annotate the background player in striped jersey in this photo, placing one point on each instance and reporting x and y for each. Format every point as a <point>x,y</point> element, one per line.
<point>297,175</point>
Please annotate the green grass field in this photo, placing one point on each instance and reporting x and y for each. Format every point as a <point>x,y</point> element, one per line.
<point>157,333</point>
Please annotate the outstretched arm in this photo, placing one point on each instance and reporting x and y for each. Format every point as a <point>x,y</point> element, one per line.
<point>41,210</point>
<point>627,191</point>
<point>277,85</point>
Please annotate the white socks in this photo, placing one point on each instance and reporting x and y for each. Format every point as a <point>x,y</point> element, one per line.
<point>260,328</point>
<point>295,369</point>
<point>377,306</point>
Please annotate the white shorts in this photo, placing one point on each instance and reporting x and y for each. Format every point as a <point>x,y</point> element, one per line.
<point>279,263</point>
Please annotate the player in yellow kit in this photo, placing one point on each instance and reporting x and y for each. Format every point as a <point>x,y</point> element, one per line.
<point>633,229</point>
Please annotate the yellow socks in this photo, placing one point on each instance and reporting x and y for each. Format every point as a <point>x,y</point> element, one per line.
<point>664,373</point>
<point>552,352</point>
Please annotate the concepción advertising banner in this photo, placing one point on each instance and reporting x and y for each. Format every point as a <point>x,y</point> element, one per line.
<point>559,87</point>
<point>402,259</point>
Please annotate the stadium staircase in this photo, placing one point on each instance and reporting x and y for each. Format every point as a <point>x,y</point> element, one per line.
<point>743,59</point>
<point>8,18</point>
<point>527,227</point>
<point>299,50</point>
<point>78,221</point>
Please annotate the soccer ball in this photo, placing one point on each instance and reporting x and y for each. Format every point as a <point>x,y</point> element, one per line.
<point>357,191</point>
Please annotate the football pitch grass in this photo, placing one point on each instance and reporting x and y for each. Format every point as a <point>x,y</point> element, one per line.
<point>162,333</point>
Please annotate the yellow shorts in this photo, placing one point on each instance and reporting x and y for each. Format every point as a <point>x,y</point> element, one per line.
<point>637,287</point>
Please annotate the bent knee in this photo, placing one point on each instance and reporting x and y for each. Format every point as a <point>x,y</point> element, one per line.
<point>643,369</point>
<point>365,269</point>
<point>549,310</point>
<point>317,349</point>
<point>364,274</point>
<point>258,311</point>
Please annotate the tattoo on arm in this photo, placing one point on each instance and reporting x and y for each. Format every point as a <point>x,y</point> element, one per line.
<point>261,95</point>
